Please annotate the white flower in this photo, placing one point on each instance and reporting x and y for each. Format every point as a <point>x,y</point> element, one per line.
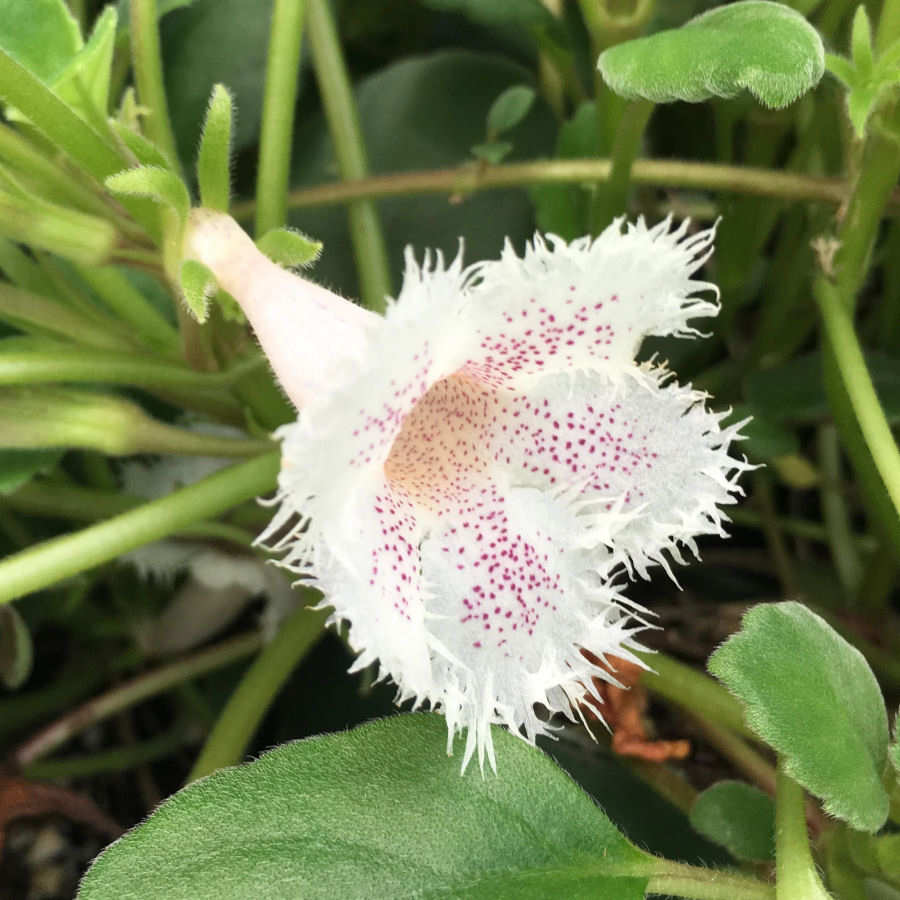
<point>471,475</point>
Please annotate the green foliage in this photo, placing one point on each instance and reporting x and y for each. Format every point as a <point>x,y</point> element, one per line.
<point>417,827</point>
<point>793,392</point>
<point>765,48</point>
<point>158,184</point>
<point>509,109</point>
<point>214,156</point>
<point>198,285</point>
<point>424,112</point>
<point>289,248</point>
<point>739,817</point>
<point>870,80</point>
<point>16,651</point>
<point>811,695</point>
<point>41,35</point>
<point>18,467</point>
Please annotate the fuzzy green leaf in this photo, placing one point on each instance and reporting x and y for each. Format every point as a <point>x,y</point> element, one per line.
<point>214,158</point>
<point>144,150</point>
<point>289,248</point>
<point>812,696</point>
<point>377,811</point>
<point>160,185</point>
<point>198,284</point>
<point>509,109</point>
<point>842,69</point>
<point>755,45</point>
<point>16,653</point>
<point>739,817</point>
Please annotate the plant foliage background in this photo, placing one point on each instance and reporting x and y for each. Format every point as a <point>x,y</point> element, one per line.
<point>143,642</point>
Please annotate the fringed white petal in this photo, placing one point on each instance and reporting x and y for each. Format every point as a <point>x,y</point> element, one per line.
<point>468,497</point>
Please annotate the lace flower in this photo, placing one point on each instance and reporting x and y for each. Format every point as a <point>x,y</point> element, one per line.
<point>470,475</point>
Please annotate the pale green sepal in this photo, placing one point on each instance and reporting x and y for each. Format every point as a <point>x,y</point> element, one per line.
<point>154,182</point>
<point>198,284</point>
<point>812,697</point>
<point>214,157</point>
<point>16,652</point>
<point>755,45</point>
<point>289,248</point>
<point>509,109</point>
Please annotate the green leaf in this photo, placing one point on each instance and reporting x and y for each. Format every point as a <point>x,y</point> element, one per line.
<point>530,15</point>
<point>198,284</point>
<point>289,248</point>
<point>87,77</point>
<point>41,35</point>
<point>812,696</point>
<point>18,467</point>
<point>493,152</point>
<point>842,69</point>
<point>16,652</point>
<point>793,392</point>
<point>214,157</point>
<point>160,185</point>
<point>766,48</point>
<point>509,109</point>
<point>144,150</point>
<point>377,811</point>
<point>861,44</point>
<point>739,817</point>
<point>162,7</point>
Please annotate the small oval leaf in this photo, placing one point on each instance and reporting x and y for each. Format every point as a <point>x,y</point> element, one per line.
<point>16,654</point>
<point>380,811</point>
<point>739,817</point>
<point>509,109</point>
<point>813,698</point>
<point>755,45</point>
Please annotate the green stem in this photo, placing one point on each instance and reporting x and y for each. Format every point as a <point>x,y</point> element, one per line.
<point>795,870</point>
<point>147,61</point>
<point>343,123</point>
<point>129,693</point>
<point>654,172</point>
<point>835,513</point>
<point>693,691</point>
<point>130,305</point>
<point>109,366</point>
<point>857,383</point>
<point>701,883</point>
<point>120,759</point>
<point>279,100</point>
<point>261,683</point>
<point>612,199</point>
<point>764,500</point>
<point>51,561</point>
<point>69,501</point>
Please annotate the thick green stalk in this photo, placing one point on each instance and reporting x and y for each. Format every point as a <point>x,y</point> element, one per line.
<point>109,366</point>
<point>147,61</point>
<point>858,386</point>
<point>279,100</point>
<point>261,683</point>
<point>655,172</point>
<point>703,883</point>
<point>343,123</point>
<point>795,870</point>
<point>44,564</point>
<point>124,696</point>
